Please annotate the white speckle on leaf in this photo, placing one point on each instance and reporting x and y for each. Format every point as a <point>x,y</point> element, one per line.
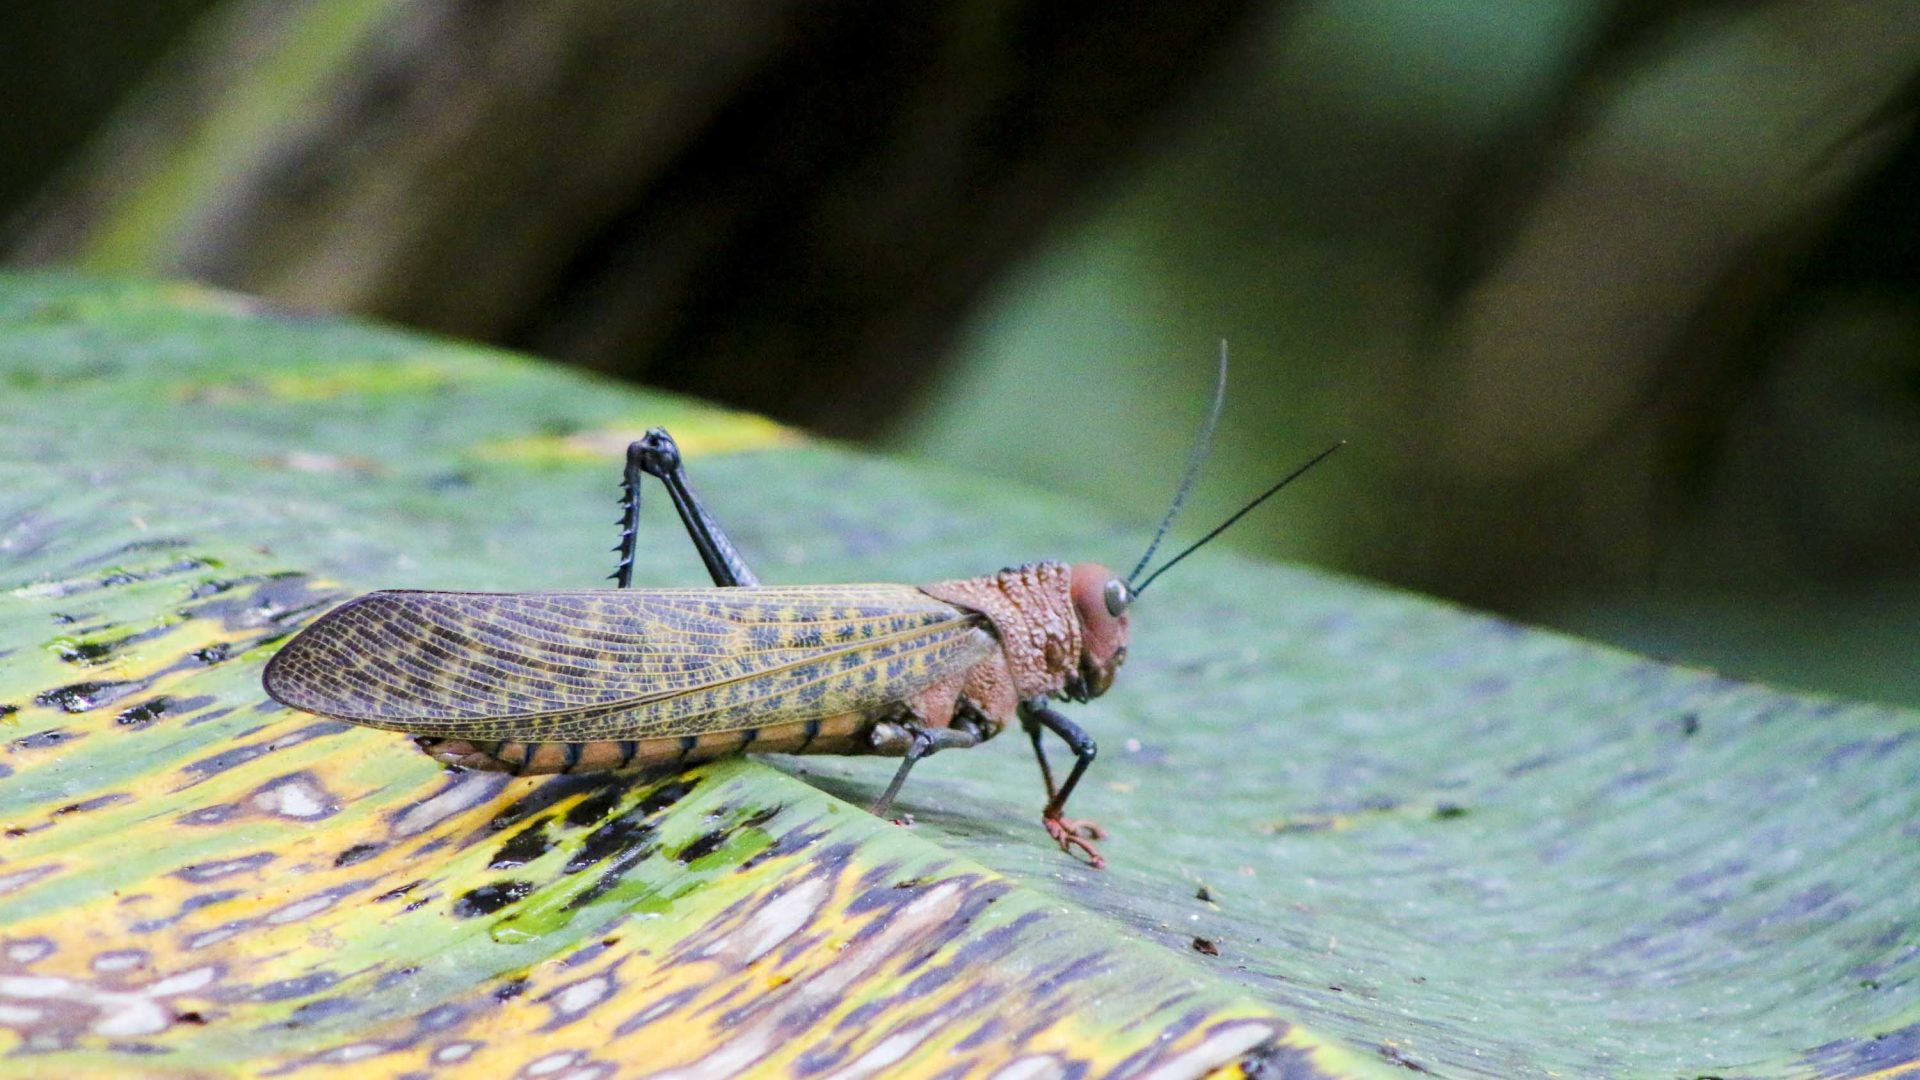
<point>131,1014</point>
<point>775,921</point>
<point>299,798</point>
<point>583,995</point>
<point>185,982</point>
<point>553,1063</point>
<point>750,1041</point>
<point>885,1053</point>
<point>30,950</point>
<point>300,909</point>
<point>468,791</point>
<point>1033,1067</point>
<point>119,960</point>
<point>214,936</point>
<point>652,1012</point>
<point>353,1051</point>
<point>22,878</point>
<point>1221,1047</point>
<point>34,986</point>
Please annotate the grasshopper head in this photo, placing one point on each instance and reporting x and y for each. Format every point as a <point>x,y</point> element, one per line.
<point>1100,599</point>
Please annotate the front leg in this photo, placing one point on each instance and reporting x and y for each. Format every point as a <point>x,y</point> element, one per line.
<point>1031,725</point>
<point>1066,832</point>
<point>658,455</point>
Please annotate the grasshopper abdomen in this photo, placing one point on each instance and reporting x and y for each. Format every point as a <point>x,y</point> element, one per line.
<point>844,734</point>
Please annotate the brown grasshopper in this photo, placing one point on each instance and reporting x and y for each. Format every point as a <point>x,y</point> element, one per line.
<point>553,682</point>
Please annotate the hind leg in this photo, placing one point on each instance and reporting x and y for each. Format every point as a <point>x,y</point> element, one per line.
<point>658,456</point>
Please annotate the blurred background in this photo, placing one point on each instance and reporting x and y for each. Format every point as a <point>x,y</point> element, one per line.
<point>1614,299</point>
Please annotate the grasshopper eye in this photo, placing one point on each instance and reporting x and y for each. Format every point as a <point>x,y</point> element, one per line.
<point>1118,597</point>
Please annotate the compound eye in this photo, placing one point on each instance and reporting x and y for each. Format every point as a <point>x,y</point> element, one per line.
<point>1118,596</point>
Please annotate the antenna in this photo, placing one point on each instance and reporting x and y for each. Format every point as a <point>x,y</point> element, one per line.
<point>1195,458</point>
<point>1136,590</point>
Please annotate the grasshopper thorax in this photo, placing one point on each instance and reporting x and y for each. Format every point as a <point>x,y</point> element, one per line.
<point>1100,599</point>
<point>1058,634</point>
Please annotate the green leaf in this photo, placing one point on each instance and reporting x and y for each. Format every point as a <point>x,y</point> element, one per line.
<point>1354,832</point>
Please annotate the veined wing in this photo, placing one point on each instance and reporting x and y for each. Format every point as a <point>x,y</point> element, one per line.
<point>621,663</point>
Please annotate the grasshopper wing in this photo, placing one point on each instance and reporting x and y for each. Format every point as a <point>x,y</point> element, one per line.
<point>621,663</point>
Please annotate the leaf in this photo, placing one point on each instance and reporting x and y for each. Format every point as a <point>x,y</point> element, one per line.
<point>1427,840</point>
<point>196,879</point>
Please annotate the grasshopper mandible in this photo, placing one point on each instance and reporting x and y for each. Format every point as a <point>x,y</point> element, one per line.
<point>559,682</point>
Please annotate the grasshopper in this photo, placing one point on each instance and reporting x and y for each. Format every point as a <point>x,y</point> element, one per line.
<point>572,681</point>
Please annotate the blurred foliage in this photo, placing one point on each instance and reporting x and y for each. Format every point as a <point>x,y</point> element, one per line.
<point>1614,298</point>
<point>60,75</point>
<point>1615,303</point>
<point>770,202</point>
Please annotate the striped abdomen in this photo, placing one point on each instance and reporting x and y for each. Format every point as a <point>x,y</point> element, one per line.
<point>848,733</point>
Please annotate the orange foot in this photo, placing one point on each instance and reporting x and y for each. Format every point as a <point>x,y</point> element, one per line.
<point>1072,833</point>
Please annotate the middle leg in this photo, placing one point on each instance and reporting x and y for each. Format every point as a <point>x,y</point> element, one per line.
<point>922,742</point>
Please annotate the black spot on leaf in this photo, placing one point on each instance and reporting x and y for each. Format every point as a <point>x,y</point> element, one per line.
<point>81,697</point>
<point>40,740</point>
<point>144,713</point>
<point>703,845</point>
<point>212,654</point>
<point>616,836</point>
<point>593,808</point>
<point>523,847</point>
<point>94,803</point>
<point>357,853</point>
<point>666,795</point>
<point>488,899</point>
<point>395,894</point>
<point>83,652</point>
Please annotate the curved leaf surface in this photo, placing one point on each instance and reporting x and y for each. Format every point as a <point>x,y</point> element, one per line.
<point>1416,838</point>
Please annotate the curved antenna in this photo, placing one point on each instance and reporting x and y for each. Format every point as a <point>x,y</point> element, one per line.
<point>1195,458</point>
<point>1242,512</point>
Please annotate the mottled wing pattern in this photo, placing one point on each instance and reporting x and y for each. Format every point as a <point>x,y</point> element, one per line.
<point>621,663</point>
